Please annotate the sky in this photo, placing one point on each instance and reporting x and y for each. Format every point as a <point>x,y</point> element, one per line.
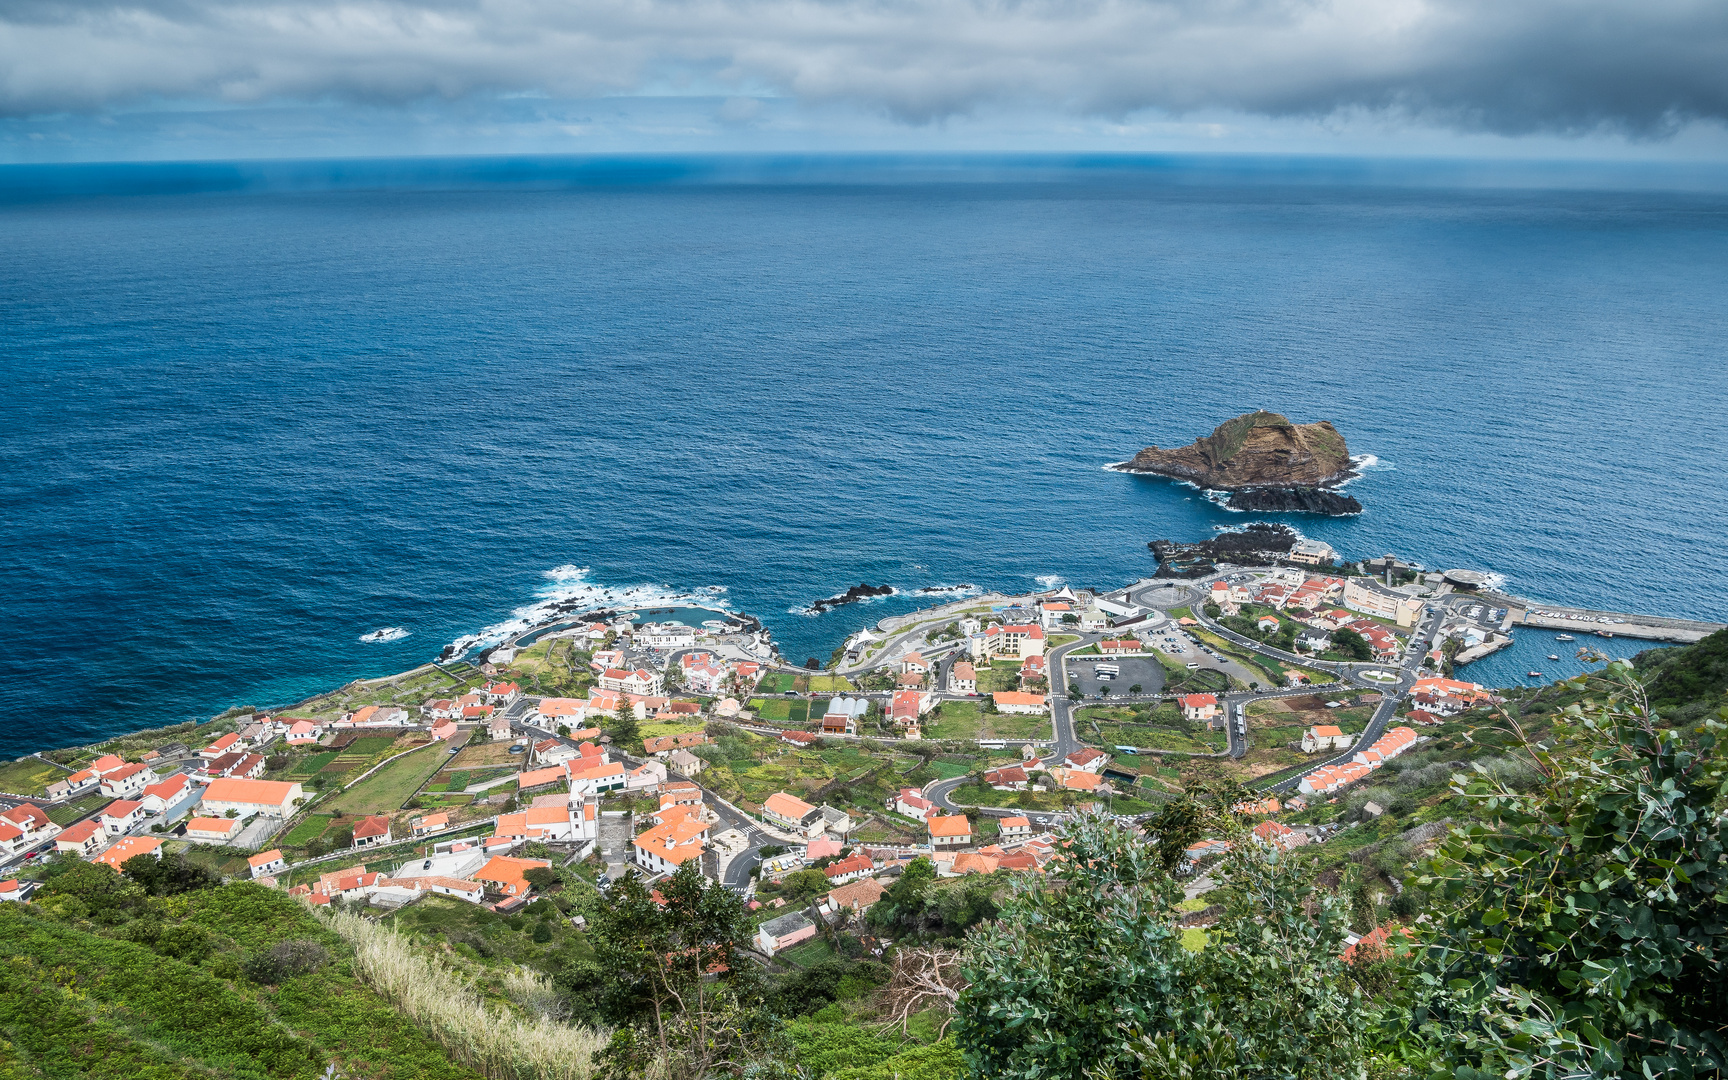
<point>84,80</point>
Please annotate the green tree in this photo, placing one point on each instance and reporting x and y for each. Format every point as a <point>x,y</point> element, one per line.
<point>677,986</point>
<point>1087,979</point>
<point>169,875</point>
<point>1579,923</point>
<point>625,731</point>
<point>541,877</point>
<point>1351,644</point>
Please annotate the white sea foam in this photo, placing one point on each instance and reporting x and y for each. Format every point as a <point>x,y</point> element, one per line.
<point>1051,581</point>
<point>568,588</point>
<point>386,633</point>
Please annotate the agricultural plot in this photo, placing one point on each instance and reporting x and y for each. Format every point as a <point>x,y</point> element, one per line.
<point>783,710</point>
<point>1000,675</point>
<point>954,720</point>
<point>310,765</point>
<point>1159,729</point>
<point>307,829</point>
<point>777,682</point>
<point>831,684</point>
<point>28,776</point>
<point>66,813</point>
<point>481,755</point>
<point>389,787</point>
<point>670,727</point>
<point>798,772</point>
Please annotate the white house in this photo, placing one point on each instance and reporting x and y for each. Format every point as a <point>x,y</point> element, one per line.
<point>272,798</point>
<point>1199,707</point>
<point>120,816</point>
<point>1014,702</point>
<point>502,693</point>
<point>1015,642</point>
<point>127,782</point>
<point>664,636</point>
<point>80,781</point>
<point>267,863</point>
<point>1014,828</point>
<point>23,827</point>
<point>792,814</point>
<point>962,678</point>
<point>639,681</point>
<point>913,804</point>
<point>664,848</point>
<point>1324,737</point>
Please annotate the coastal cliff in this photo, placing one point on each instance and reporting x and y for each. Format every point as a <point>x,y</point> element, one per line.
<point>1266,462</point>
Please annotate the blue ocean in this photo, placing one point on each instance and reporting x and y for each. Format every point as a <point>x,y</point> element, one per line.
<point>256,413</point>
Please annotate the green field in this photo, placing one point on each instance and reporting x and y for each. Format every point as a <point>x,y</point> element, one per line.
<point>306,829</point>
<point>794,771</point>
<point>831,684</point>
<point>1018,727</point>
<point>312,763</point>
<point>389,787</point>
<point>29,776</point>
<point>66,813</point>
<point>999,675</point>
<point>777,682</point>
<point>783,710</point>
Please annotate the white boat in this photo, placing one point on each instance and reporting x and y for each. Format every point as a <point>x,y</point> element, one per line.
<point>1534,674</point>
<point>1564,637</point>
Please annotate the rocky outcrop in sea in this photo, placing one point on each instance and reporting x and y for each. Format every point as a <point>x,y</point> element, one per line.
<point>1263,462</point>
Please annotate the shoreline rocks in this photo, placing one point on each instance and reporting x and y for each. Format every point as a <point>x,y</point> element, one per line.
<point>1294,500</point>
<point>856,593</point>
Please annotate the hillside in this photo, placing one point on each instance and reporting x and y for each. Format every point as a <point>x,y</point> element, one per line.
<point>1687,683</point>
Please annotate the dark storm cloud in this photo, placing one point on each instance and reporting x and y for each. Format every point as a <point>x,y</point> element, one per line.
<point>1636,66</point>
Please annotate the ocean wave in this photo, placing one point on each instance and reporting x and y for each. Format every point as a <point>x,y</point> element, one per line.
<point>1051,581</point>
<point>385,633</point>
<point>570,591</point>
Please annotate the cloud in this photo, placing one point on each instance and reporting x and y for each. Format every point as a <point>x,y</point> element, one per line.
<point>1639,67</point>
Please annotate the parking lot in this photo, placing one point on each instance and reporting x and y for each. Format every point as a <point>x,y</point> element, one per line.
<point>1136,670</point>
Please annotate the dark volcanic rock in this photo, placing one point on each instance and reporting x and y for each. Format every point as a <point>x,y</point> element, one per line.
<point>1304,500</point>
<point>1258,543</point>
<point>856,593</point>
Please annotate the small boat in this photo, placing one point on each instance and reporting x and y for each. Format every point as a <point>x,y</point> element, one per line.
<point>1553,656</point>
<point>1564,637</point>
<point>1534,674</point>
<point>1603,633</point>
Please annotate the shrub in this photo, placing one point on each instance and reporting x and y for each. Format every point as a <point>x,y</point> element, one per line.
<point>188,943</point>
<point>284,960</point>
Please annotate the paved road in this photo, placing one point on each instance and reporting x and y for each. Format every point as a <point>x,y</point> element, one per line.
<point>1061,709</point>
<point>939,792</point>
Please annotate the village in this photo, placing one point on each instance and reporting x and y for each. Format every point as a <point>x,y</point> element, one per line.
<point>964,734</point>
